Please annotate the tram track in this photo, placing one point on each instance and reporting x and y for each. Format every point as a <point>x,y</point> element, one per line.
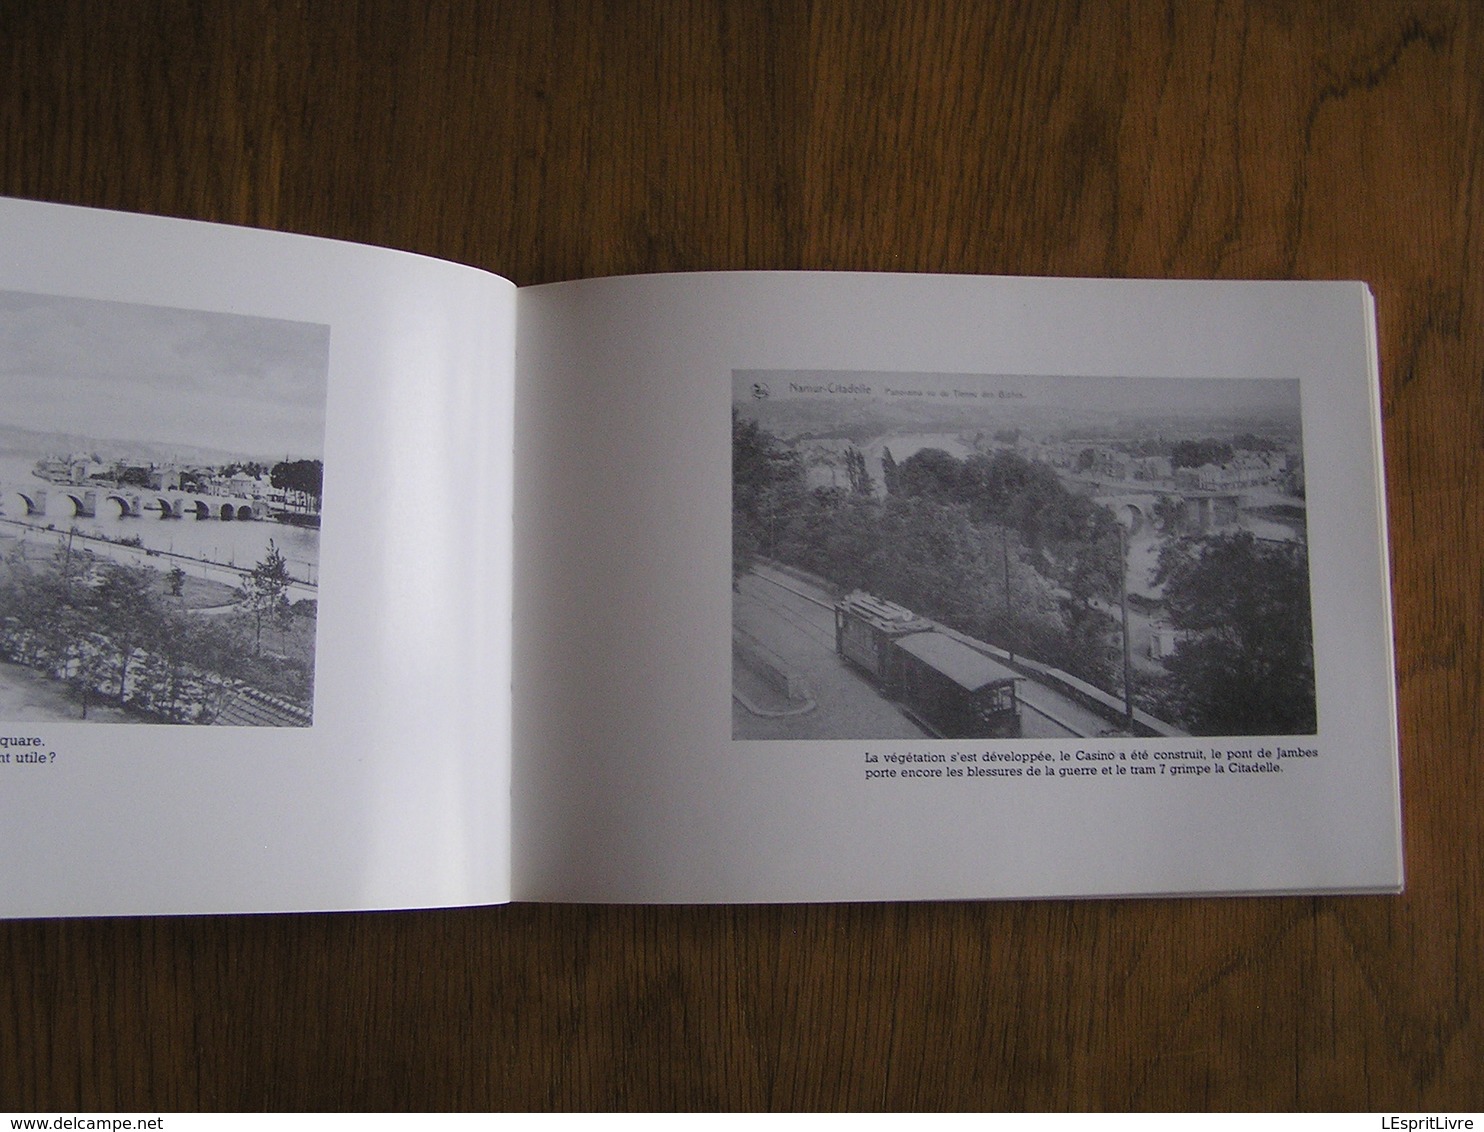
<point>798,619</point>
<point>824,634</point>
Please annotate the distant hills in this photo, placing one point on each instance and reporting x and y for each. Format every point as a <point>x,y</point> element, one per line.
<point>33,444</point>
<point>864,419</point>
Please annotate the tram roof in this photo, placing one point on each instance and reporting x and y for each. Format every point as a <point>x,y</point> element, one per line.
<point>887,616</point>
<point>968,669</point>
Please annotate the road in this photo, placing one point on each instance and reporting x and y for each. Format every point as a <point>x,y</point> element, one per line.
<point>796,621</point>
<point>160,560</point>
<point>787,616</point>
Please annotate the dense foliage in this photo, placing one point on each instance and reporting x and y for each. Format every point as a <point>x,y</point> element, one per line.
<point>121,633</point>
<point>1246,666</point>
<point>996,546</point>
<point>1197,453</point>
<point>306,476</point>
<point>993,545</point>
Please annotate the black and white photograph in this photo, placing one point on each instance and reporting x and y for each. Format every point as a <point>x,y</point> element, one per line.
<point>161,480</point>
<point>975,556</point>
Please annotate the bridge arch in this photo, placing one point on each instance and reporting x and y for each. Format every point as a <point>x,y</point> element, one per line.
<point>35,502</point>
<point>127,506</point>
<point>1132,515</point>
<point>1135,512</point>
<point>84,503</point>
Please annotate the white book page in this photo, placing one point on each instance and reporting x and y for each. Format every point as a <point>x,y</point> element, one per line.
<point>640,776</point>
<point>169,346</point>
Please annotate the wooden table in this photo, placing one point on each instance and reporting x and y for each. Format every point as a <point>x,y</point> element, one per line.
<point>576,139</point>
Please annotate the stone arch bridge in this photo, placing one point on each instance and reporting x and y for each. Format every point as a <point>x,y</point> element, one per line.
<point>1204,510</point>
<point>84,502</point>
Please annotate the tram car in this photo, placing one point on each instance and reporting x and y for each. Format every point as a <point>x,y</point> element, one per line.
<point>955,691</point>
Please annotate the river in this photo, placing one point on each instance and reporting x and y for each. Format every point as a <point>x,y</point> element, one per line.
<point>237,544</point>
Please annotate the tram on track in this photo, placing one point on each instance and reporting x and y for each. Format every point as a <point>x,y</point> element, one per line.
<point>955,691</point>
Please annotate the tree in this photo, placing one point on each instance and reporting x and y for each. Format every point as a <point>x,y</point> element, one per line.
<point>888,472</point>
<point>759,464</point>
<point>126,614</point>
<point>48,610</point>
<point>767,484</point>
<point>1251,442</point>
<point>264,594</point>
<point>1089,644</point>
<point>158,681</point>
<point>1197,453</point>
<point>860,477</point>
<point>1246,666</point>
<point>304,476</point>
<point>217,662</point>
<point>1169,515</point>
<point>930,472</point>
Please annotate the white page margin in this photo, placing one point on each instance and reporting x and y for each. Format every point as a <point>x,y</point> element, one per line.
<point>397,796</point>
<point>628,784</point>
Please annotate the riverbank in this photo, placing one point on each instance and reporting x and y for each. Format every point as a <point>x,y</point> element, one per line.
<point>227,578</point>
<point>197,592</point>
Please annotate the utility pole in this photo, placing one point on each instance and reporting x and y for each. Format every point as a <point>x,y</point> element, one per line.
<point>1128,683</point>
<point>67,568</point>
<point>1009,623</point>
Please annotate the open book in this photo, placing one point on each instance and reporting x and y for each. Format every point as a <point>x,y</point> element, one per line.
<point>334,577</point>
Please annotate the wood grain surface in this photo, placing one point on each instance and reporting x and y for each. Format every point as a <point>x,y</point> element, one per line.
<point>1241,140</point>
